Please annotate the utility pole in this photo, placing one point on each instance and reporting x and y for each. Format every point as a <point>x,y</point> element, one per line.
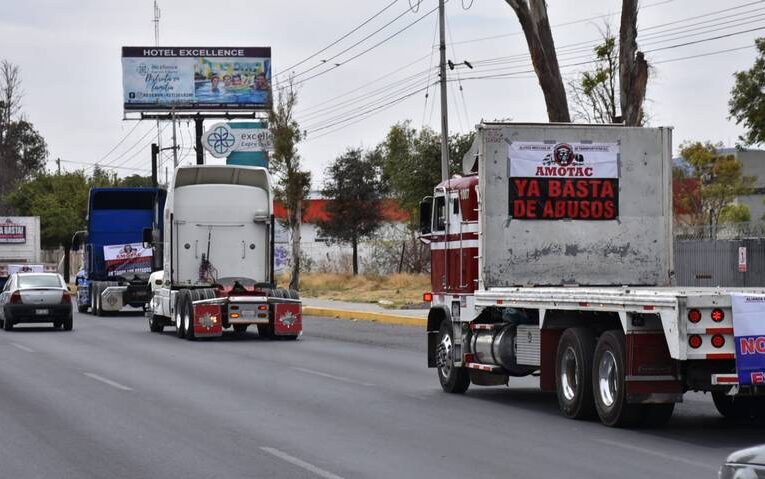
<point>444,107</point>
<point>156,44</point>
<point>175,143</point>
<point>58,165</point>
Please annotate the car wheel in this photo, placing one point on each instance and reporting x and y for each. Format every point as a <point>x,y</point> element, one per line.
<point>609,382</point>
<point>453,379</point>
<point>68,323</point>
<point>8,324</point>
<point>573,373</point>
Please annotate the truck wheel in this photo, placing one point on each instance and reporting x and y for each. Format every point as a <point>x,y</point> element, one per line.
<point>733,407</point>
<point>656,415</point>
<point>179,331</point>
<point>82,308</point>
<point>188,314</point>
<point>265,331</point>
<point>68,323</point>
<point>573,373</point>
<point>609,384</point>
<point>155,324</point>
<point>453,379</point>
<point>292,294</point>
<point>240,328</point>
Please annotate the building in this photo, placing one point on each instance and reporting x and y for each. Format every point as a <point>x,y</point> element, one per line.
<point>319,252</point>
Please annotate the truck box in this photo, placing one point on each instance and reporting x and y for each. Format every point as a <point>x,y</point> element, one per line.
<point>605,233</point>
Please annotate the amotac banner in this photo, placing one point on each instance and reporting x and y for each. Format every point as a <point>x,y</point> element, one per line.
<point>127,258</point>
<point>749,336</point>
<point>12,232</point>
<point>196,78</point>
<point>577,181</point>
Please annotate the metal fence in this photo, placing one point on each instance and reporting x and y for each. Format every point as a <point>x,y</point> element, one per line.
<point>729,255</point>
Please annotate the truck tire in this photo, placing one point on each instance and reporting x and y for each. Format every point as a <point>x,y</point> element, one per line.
<point>82,308</point>
<point>188,313</point>
<point>735,407</point>
<point>293,294</point>
<point>156,324</point>
<point>95,295</point>
<point>454,380</point>
<point>609,384</point>
<point>178,314</point>
<point>573,373</point>
<point>240,328</point>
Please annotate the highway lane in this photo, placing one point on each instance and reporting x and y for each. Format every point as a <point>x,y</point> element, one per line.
<point>348,400</point>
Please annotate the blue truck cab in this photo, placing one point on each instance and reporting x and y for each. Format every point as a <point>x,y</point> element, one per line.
<point>116,262</point>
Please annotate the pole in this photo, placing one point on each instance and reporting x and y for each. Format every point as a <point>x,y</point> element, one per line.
<point>175,143</point>
<point>444,107</point>
<point>58,165</point>
<point>198,127</point>
<point>154,155</point>
<point>157,14</point>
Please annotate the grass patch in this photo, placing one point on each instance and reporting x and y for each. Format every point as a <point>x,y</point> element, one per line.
<point>394,291</point>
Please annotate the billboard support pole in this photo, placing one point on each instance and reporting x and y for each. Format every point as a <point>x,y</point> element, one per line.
<point>198,130</point>
<point>175,143</point>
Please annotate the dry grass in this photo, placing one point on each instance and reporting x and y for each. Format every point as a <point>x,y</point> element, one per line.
<point>394,291</point>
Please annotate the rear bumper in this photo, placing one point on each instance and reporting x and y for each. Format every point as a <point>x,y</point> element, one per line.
<point>24,313</point>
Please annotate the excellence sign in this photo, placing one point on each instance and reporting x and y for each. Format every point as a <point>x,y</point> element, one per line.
<point>196,79</point>
<point>578,181</point>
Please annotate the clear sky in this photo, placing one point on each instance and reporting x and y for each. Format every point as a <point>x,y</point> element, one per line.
<point>69,54</point>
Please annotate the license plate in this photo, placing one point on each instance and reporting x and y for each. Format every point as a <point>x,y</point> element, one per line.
<point>247,313</point>
<point>41,311</point>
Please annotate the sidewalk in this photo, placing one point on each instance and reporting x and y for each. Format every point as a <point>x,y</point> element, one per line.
<point>364,312</point>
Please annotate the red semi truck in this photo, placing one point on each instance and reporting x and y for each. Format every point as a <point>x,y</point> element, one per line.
<point>552,256</point>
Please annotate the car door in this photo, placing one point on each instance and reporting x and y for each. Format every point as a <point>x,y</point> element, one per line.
<point>5,295</point>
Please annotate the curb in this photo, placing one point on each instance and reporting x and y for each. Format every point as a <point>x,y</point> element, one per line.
<point>365,316</point>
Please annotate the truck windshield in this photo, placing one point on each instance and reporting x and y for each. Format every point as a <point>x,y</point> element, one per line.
<point>39,281</point>
<point>123,200</point>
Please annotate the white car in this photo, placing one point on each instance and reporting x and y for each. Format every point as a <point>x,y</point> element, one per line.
<point>36,298</point>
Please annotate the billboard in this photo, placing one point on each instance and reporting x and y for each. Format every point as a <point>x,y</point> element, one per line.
<point>196,78</point>
<point>127,258</point>
<point>12,232</point>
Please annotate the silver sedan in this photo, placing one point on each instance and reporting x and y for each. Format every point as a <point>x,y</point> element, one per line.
<point>36,298</point>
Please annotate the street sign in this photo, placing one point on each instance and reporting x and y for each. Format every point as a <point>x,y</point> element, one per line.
<point>742,259</point>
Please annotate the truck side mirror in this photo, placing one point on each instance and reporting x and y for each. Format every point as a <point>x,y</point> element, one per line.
<point>148,237</point>
<point>77,239</point>
<point>426,208</point>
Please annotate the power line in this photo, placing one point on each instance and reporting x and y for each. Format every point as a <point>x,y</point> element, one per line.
<point>91,165</point>
<point>120,142</point>
<point>343,37</point>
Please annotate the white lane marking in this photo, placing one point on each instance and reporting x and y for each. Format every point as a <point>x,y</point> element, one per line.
<point>662,455</point>
<point>332,376</point>
<point>22,347</point>
<point>111,383</point>
<point>300,463</point>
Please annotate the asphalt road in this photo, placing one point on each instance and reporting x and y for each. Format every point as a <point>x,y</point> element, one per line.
<point>348,400</point>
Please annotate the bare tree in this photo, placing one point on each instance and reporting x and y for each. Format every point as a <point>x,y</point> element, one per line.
<point>532,15</point>
<point>594,92</point>
<point>10,95</point>
<point>633,68</point>
<point>293,183</point>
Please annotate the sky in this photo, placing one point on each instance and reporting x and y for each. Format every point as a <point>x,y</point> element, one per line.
<point>69,56</point>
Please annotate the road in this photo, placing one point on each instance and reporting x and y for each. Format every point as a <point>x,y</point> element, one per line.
<point>348,400</point>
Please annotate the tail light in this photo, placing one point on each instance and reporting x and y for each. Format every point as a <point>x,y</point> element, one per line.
<point>66,298</point>
<point>718,315</point>
<point>16,298</point>
<point>718,340</point>
<point>694,315</point>
<point>263,307</point>
<point>427,297</point>
<point>694,341</point>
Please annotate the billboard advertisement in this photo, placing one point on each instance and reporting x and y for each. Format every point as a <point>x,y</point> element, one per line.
<point>196,78</point>
<point>127,259</point>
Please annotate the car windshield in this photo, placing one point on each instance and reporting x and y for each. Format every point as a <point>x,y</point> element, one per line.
<point>39,281</point>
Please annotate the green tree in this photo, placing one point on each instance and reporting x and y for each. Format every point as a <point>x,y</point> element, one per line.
<point>411,161</point>
<point>22,150</point>
<point>735,213</point>
<point>61,202</point>
<point>720,179</point>
<point>747,102</point>
<point>354,187</point>
<point>135,181</point>
<point>293,182</point>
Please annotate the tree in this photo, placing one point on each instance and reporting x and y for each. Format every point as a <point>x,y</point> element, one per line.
<point>594,93</point>
<point>293,183</point>
<point>22,150</point>
<point>633,67</point>
<point>720,179</point>
<point>532,15</point>
<point>354,189</point>
<point>61,202</point>
<point>735,213</point>
<point>135,181</point>
<point>747,102</point>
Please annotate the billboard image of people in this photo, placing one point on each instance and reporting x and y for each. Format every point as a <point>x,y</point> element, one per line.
<point>157,78</point>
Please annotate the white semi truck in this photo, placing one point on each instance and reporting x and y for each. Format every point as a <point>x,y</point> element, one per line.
<point>218,257</point>
<point>553,256</point>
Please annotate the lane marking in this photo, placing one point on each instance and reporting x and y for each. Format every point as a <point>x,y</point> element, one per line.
<point>300,463</point>
<point>332,376</point>
<point>22,347</point>
<point>662,455</point>
<point>111,383</point>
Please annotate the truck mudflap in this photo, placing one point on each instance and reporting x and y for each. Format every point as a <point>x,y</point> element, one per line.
<point>285,314</point>
<point>288,317</point>
<point>208,319</point>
